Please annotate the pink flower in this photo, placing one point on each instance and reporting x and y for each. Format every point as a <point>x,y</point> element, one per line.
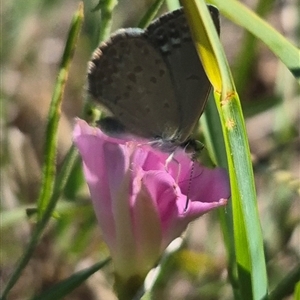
<point>140,200</point>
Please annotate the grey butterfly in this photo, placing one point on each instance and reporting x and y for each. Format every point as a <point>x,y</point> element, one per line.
<point>151,81</point>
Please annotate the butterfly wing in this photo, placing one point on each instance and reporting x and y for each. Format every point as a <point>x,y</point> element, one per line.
<point>128,76</point>
<point>170,34</point>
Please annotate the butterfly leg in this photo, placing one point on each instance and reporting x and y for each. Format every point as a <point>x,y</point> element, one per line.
<point>170,159</point>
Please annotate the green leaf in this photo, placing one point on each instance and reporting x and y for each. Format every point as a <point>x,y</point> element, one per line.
<point>150,14</point>
<point>290,283</point>
<point>51,192</point>
<point>63,288</point>
<point>244,61</point>
<point>248,242</point>
<point>49,166</point>
<point>279,45</point>
<point>106,8</point>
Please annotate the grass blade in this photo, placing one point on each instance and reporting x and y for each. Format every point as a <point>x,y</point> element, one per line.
<point>50,192</point>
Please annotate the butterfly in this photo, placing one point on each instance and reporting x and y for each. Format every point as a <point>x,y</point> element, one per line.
<point>151,81</point>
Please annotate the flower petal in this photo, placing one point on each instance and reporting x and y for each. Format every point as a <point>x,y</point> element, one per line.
<point>140,195</point>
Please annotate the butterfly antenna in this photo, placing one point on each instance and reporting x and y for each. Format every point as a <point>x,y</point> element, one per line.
<point>190,183</point>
